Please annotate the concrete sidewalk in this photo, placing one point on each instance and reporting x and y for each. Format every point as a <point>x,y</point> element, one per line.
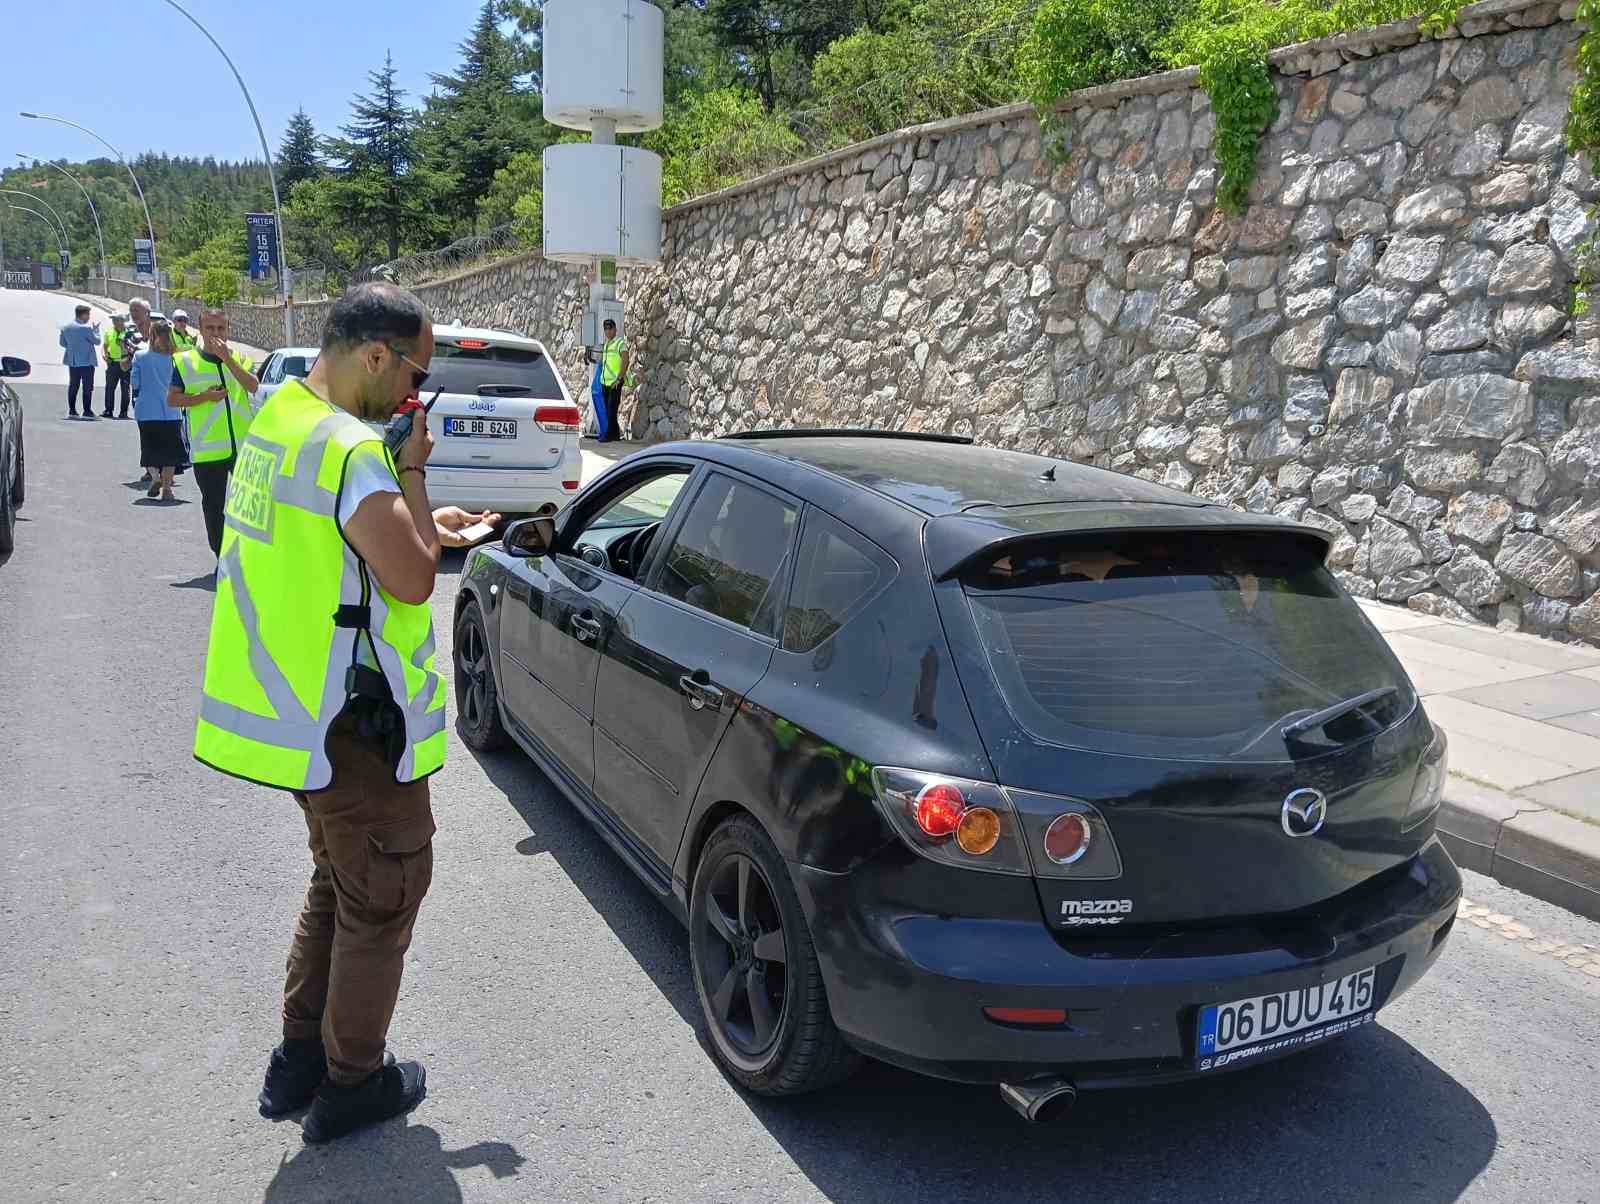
<point>1523,716</point>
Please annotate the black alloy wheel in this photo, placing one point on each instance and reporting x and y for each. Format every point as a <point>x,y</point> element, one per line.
<point>477,701</point>
<point>8,512</point>
<point>743,963</point>
<point>755,969</point>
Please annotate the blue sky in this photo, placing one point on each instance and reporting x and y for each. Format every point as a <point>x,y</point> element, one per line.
<point>144,78</point>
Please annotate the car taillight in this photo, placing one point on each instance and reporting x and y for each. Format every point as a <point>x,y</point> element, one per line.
<point>1428,791</point>
<point>952,820</point>
<point>559,420</point>
<point>1066,837</point>
<point>570,486</point>
<point>939,809</point>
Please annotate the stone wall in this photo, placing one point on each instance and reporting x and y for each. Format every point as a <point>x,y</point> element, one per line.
<point>1381,346</point>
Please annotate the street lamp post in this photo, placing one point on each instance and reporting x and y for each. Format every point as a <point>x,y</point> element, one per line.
<point>149,225</point>
<point>105,276</point>
<point>62,236</point>
<point>272,176</point>
<point>24,209</point>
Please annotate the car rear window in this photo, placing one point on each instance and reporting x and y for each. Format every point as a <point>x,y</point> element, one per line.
<point>502,371</point>
<point>1189,646</point>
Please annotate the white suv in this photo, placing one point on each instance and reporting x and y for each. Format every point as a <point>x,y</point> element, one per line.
<point>505,428</point>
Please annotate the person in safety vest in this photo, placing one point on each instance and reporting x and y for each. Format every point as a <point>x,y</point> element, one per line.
<point>184,337</point>
<point>119,361</point>
<point>321,678</point>
<point>614,357</point>
<point>213,384</point>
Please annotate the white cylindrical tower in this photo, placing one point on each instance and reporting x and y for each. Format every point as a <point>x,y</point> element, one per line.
<point>603,58</point>
<point>603,72</point>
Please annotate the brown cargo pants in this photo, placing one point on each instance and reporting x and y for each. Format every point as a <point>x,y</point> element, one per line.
<point>372,844</point>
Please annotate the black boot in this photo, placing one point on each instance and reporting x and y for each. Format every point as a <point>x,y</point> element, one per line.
<point>295,1070</point>
<point>396,1088</point>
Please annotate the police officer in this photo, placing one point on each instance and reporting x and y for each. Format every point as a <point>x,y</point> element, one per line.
<point>184,337</point>
<point>213,385</point>
<point>614,359</point>
<point>321,679</point>
<point>119,359</point>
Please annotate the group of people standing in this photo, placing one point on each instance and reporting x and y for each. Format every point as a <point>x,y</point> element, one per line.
<point>192,395</point>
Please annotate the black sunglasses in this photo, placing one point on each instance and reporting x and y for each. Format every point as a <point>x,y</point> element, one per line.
<point>419,374</point>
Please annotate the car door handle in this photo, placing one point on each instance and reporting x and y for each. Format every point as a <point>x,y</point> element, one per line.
<point>702,694</point>
<point>585,628</point>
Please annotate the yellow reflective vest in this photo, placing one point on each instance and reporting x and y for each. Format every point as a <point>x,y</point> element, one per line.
<point>299,619</point>
<point>216,428</point>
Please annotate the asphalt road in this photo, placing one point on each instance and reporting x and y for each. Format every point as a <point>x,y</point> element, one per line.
<point>147,903</point>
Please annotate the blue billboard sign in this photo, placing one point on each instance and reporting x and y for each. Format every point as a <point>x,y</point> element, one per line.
<point>263,232</point>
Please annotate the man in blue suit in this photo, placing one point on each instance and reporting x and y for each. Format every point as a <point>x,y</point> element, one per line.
<point>80,341</point>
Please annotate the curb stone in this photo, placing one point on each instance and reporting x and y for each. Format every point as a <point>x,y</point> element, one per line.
<point>1522,845</point>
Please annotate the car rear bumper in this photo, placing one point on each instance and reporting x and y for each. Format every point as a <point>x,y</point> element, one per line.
<point>910,988</point>
<point>509,491</point>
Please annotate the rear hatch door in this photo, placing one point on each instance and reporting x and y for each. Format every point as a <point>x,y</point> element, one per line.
<point>501,406</point>
<point>1147,678</point>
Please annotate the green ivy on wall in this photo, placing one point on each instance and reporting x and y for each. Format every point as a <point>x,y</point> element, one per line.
<point>1583,135</point>
<point>1080,43</point>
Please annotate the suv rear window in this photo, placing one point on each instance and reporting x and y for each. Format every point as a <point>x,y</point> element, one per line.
<point>1188,646</point>
<point>504,371</point>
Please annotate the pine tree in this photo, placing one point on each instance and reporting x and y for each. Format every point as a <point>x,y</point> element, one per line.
<point>382,189</point>
<point>298,157</point>
<point>471,126</point>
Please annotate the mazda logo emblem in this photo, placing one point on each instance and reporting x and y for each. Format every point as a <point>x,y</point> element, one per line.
<point>1303,813</point>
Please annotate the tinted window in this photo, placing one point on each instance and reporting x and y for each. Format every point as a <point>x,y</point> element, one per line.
<point>837,570</point>
<point>1185,646</point>
<point>500,371</point>
<point>296,365</point>
<point>730,550</point>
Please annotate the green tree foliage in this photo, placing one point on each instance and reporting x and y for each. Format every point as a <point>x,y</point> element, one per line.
<point>468,128</point>
<point>299,155</point>
<point>715,139</point>
<point>378,186</point>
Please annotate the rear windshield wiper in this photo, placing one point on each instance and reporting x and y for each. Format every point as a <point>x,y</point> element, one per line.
<point>1293,731</point>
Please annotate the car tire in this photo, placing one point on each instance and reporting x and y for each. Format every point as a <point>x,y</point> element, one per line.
<point>477,699</point>
<point>772,1037</point>
<point>8,514</point>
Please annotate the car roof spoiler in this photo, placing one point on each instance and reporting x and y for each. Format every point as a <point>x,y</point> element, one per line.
<point>954,543</point>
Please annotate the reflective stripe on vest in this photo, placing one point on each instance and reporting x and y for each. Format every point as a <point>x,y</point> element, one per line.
<point>276,664</point>
<point>612,361</point>
<point>217,429</point>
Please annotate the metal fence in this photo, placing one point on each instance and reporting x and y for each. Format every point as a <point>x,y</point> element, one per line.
<point>459,256</point>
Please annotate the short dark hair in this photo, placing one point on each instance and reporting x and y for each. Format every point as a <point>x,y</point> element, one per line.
<point>79,310</point>
<point>609,322</point>
<point>373,313</point>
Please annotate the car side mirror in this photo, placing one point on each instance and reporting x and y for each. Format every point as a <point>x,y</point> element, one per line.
<point>530,537</point>
<point>10,365</point>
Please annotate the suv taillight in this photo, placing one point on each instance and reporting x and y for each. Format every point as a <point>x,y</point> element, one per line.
<point>559,420</point>
<point>952,820</point>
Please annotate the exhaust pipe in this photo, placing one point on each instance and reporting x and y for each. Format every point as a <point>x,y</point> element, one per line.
<point>1040,1100</point>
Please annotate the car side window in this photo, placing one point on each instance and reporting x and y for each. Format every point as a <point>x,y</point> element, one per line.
<point>269,374</point>
<point>837,571</point>
<point>614,536</point>
<point>730,552</point>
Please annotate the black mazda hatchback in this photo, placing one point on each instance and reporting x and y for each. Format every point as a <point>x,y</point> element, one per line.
<point>997,767</point>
